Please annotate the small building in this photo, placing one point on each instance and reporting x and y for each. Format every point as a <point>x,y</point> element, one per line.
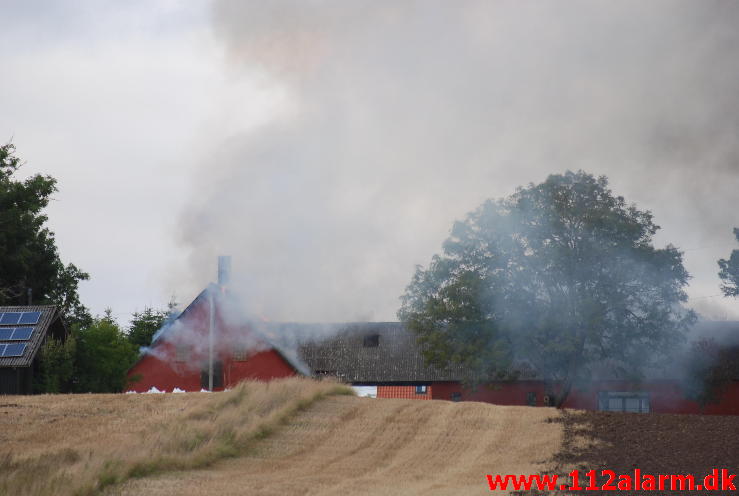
<point>23,332</point>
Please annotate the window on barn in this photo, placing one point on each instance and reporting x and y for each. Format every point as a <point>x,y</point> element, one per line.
<point>372,341</point>
<point>531,398</point>
<point>239,355</point>
<point>421,389</point>
<point>623,401</point>
<point>456,396</point>
<point>182,353</point>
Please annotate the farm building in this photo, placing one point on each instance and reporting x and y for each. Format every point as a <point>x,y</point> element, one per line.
<point>23,331</point>
<point>180,353</point>
<point>385,360</point>
<point>381,359</point>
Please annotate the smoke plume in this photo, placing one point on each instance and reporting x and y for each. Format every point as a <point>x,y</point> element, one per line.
<point>400,117</point>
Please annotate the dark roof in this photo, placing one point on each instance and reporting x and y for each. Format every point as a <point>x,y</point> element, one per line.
<point>396,358</point>
<point>48,316</point>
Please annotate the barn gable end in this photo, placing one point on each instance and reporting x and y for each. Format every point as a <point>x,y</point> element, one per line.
<point>179,354</point>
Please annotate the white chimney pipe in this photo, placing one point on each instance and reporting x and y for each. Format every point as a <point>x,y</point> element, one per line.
<point>224,270</point>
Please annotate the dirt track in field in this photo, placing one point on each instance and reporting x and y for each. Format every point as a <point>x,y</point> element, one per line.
<point>358,446</point>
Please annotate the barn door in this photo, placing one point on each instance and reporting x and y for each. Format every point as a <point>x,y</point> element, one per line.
<point>217,375</point>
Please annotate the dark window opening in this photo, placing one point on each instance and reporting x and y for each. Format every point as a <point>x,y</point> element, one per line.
<point>421,389</point>
<point>217,375</point>
<point>372,341</point>
<point>456,396</point>
<point>531,399</point>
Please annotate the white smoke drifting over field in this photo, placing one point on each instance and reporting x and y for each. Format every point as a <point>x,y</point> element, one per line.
<point>400,117</point>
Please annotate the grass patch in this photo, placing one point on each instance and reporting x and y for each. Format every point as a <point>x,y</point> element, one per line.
<point>223,425</point>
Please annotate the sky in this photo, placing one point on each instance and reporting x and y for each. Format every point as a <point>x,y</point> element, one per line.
<point>328,146</point>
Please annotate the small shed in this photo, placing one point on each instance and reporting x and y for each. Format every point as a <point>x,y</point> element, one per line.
<point>23,332</point>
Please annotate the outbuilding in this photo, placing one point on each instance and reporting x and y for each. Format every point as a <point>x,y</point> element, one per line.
<point>23,332</point>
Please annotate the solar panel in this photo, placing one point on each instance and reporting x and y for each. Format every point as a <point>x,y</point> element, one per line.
<point>29,318</point>
<point>22,333</point>
<point>13,350</point>
<point>10,318</point>
<point>6,333</point>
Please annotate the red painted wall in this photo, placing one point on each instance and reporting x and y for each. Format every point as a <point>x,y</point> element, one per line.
<point>263,366</point>
<point>166,375</point>
<point>664,396</point>
<point>162,373</point>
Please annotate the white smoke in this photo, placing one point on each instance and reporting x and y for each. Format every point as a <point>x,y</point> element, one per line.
<point>400,117</point>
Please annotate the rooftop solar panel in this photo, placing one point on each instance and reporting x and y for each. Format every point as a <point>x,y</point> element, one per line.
<point>10,318</point>
<point>6,333</point>
<point>13,350</point>
<point>29,318</point>
<point>22,333</point>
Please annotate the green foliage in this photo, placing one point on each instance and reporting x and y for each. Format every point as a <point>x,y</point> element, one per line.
<point>711,370</point>
<point>145,324</point>
<point>56,366</point>
<point>561,277</point>
<point>28,253</point>
<point>729,271</point>
<point>104,354</point>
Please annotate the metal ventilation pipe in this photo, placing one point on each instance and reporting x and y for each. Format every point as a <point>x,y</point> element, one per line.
<point>224,270</point>
<point>224,276</point>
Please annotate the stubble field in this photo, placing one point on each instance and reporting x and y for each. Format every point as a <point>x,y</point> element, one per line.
<point>300,436</point>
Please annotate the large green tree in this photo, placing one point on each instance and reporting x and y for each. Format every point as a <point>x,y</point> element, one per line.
<point>29,259</point>
<point>729,271</point>
<point>561,277</point>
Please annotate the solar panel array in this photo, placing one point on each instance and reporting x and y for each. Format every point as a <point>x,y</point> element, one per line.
<point>15,332</point>
<point>22,318</point>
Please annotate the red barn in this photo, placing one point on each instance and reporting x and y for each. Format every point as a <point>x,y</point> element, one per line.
<point>180,353</point>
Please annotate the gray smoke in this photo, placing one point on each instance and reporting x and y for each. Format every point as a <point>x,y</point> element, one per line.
<point>400,117</point>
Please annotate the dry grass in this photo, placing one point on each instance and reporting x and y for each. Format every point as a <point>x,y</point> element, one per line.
<point>359,446</point>
<point>81,444</point>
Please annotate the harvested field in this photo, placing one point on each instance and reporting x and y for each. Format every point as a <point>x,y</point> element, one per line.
<point>345,445</point>
<point>79,444</point>
<point>297,437</point>
<point>654,443</point>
